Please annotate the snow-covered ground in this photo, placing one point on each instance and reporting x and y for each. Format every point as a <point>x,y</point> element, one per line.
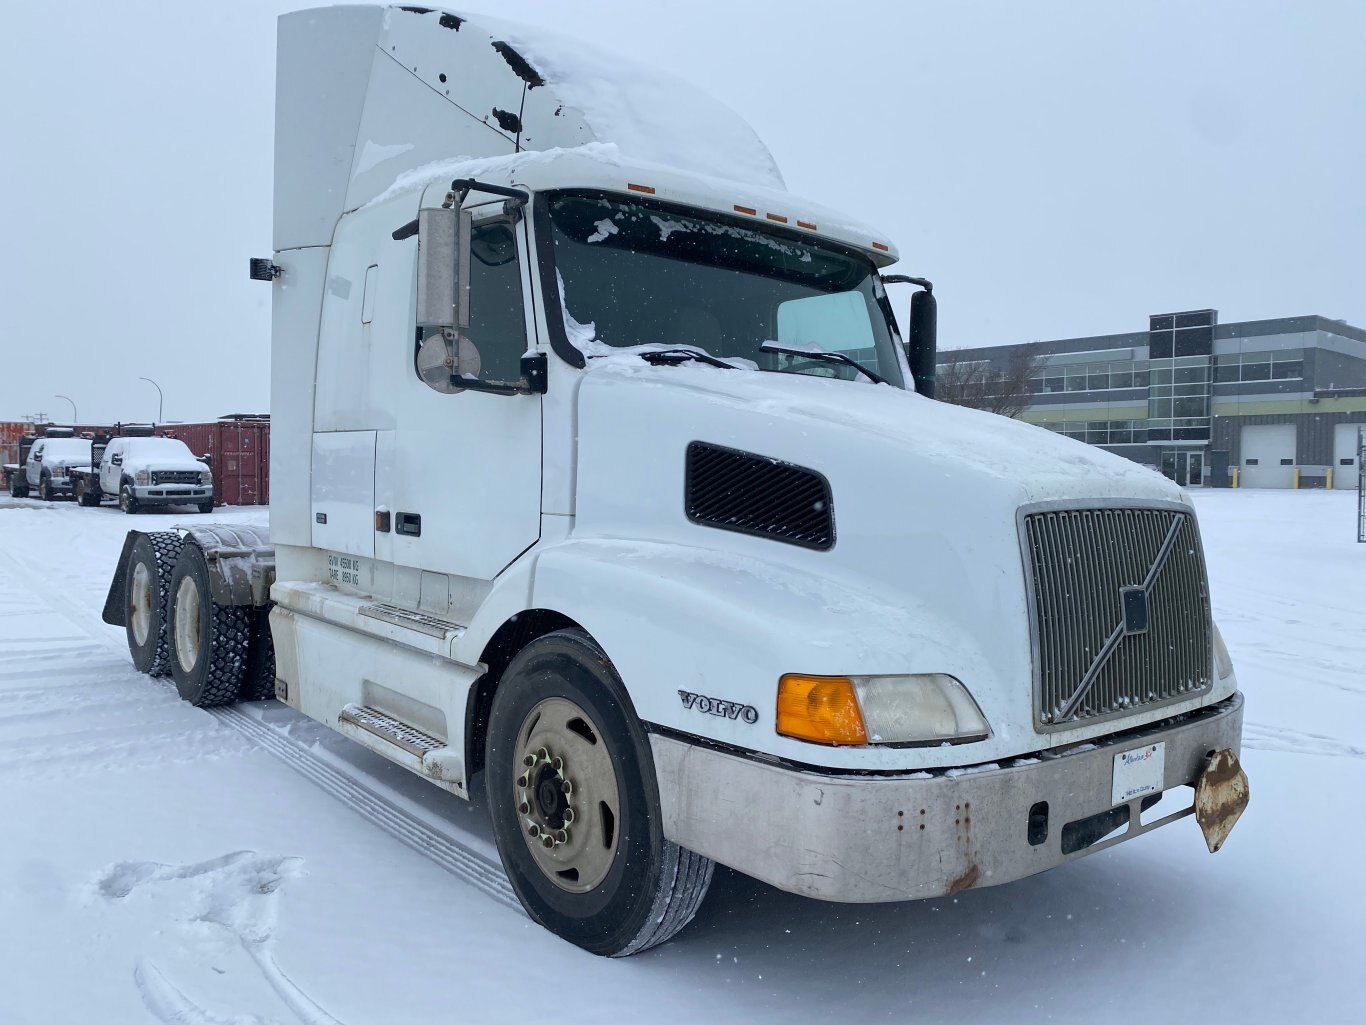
<point>164,864</point>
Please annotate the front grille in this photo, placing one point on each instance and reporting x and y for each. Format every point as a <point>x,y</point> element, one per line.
<point>754,494</point>
<point>1096,654</point>
<point>175,477</point>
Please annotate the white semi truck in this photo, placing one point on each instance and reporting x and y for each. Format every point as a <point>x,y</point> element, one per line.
<point>601,475</point>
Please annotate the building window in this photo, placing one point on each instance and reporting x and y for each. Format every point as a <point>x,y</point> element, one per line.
<point>1283,365</point>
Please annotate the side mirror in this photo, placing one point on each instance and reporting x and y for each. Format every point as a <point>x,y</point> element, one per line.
<point>443,269</point>
<point>922,341</point>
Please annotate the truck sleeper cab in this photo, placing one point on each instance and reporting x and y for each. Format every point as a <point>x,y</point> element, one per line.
<point>601,482</point>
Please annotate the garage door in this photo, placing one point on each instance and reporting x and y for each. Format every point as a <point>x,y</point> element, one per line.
<point>1346,464</point>
<point>1268,456</point>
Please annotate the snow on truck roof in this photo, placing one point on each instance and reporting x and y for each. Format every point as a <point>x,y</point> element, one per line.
<point>374,100</point>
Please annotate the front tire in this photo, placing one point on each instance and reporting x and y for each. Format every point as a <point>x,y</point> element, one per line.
<point>147,600</point>
<point>45,490</point>
<point>206,507</point>
<point>209,642</point>
<point>127,502</point>
<point>575,805</point>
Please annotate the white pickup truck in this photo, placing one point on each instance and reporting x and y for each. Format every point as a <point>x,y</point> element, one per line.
<point>602,479</point>
<point>142,472</point>
<point>48,468</point>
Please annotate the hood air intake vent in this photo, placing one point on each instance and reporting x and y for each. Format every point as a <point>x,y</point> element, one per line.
<point>753,494</point>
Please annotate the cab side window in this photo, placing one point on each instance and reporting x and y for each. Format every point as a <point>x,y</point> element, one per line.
<point>491,348</point>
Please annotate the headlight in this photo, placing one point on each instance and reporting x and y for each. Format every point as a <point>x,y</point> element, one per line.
<point>927,708</point>
<point>1222,663</point>
<point>59,471</point>
<point>205,477</point>
<point>142,477</point>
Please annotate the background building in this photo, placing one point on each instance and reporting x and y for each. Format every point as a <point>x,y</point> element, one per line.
<point>1279,400</point>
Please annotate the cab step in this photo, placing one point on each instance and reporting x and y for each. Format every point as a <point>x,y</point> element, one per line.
<point>397,732</point>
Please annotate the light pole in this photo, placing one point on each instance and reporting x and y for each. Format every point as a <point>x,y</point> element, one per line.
<point>74,417</point>
<point>161,401</point>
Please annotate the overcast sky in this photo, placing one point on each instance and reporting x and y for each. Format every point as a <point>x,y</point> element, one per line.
<point>1056,169</point>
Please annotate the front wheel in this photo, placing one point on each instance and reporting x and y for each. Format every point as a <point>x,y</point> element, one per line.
<point>206,507</point>
<point>45,490</point>
<point>575,805</point>
<point>127,502</point>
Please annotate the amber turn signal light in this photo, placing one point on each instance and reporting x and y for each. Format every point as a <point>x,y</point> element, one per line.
<point>823,709</point>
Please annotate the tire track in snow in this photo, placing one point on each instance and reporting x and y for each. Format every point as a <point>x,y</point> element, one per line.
<point>1279,738</point>
<point>480,872</point>
<point>483,873</point>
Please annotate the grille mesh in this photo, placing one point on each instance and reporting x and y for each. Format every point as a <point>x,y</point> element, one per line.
<point>753,494</point>
<point>1079,559</point>
<point>175,476</point>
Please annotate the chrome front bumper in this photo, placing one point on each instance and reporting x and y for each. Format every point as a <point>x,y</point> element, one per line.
<point>172,494</point>
<point>866,839</point>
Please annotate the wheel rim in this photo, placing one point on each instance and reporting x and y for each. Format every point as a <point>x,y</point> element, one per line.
<point>565,795</point>
<point>124,498</point>
<point>187,634</point>
<point>141,598</point>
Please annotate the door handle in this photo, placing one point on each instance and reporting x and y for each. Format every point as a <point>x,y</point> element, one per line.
<point>409,524</point>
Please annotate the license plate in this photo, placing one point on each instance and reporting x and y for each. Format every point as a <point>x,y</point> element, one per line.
<point>1137,772</point>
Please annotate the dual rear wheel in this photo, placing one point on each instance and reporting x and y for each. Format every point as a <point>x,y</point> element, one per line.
<point>217,653</point>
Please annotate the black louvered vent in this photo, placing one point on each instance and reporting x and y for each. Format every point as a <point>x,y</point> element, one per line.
<point>757,495</point>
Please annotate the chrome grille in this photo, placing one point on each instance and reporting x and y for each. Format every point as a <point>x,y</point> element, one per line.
<point>175,476</point>
<point>1090,660</point>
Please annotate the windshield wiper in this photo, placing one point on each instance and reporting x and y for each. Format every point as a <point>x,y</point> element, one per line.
<point>673,357</point>
<point>823,357</point>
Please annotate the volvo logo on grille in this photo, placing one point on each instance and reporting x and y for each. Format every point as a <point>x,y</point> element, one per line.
<point>1135,601</point>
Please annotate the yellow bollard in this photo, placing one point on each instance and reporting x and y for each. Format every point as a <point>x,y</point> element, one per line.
<point>1328,484</point>
<point>1295,478</point>
<point>1235,476</point>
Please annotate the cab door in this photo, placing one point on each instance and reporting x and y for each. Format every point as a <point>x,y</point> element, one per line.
<point>461,471</point>
<point>33,470</point>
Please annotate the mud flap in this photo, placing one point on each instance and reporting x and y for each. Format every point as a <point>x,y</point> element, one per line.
<point>114,613</point>
<point>1221,794</point>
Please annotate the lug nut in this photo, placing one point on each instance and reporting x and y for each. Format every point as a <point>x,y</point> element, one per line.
<point>562,836</point>
<point>558,763</point>
<point>523,809</point>
<point>568,816</point>
<point>529,761</point>
<point>543,755</point>
<point>533,830</point>
<point>547,841</point>
<point>566,788</point>
<point>523,780</point>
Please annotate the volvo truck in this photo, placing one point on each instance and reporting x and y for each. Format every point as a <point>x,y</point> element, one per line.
<point>603,481</point>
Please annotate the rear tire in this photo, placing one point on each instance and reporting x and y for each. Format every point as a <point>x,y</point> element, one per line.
<point>209,642</point>
<point>259,682</point>
<point>18,487</point>
<point>591,866</point>
<point>87,495</point>
<point>147,600</point>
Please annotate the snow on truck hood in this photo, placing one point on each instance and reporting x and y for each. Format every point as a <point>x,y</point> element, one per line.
<point>1031,463</point>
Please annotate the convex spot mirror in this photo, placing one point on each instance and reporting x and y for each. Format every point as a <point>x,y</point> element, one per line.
<point>443,360</point>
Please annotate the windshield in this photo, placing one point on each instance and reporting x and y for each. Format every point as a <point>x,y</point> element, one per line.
<point>634,273</point>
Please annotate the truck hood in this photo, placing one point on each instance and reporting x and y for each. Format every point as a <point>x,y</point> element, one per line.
<point>926,574</point>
